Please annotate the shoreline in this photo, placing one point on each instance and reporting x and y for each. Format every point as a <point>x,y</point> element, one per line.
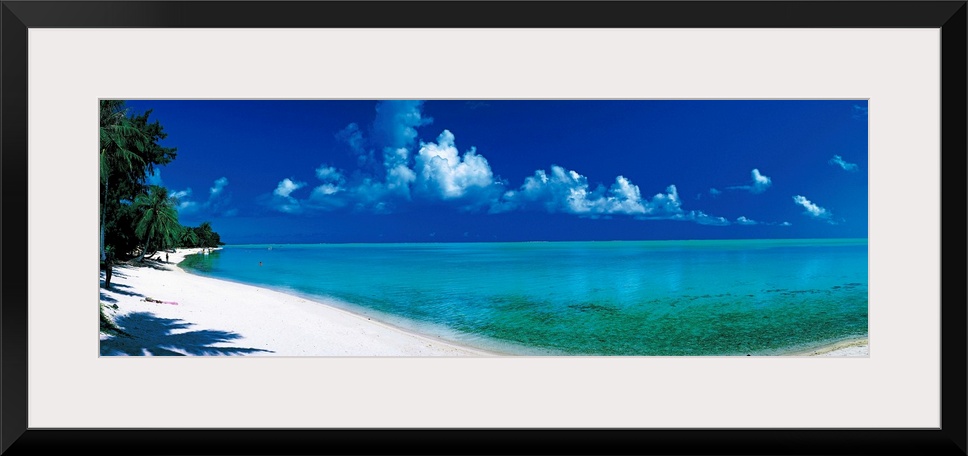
<point>196,315</point>
<point>378,319</point>
<point>239,318</point>
<point>850,347</point>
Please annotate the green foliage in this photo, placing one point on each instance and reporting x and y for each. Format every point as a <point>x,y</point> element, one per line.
<point>187,237</point>
<point>128,153</point>
<point>122,144</point>
<point>134,215</point>
<point>107,325</point>
<point>119,231</point>
<point>130,150</point>
<point>200,236</point>
<point>157,223</point>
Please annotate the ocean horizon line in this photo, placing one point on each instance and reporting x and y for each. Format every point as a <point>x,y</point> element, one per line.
<point>778,240</point>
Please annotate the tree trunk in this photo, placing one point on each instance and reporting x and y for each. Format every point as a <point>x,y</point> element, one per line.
<point>144,250</point>
<point>104,211</point>
<point>104,257</point>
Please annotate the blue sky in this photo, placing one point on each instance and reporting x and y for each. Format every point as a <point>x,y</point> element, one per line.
<point>512,170</point>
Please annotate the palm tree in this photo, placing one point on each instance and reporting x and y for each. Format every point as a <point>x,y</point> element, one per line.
<point>118,136</point>
<point>187,237</point>
<point>157,223</point>
<point>205,234</point>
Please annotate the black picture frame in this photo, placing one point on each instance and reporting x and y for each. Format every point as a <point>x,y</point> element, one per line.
<point>18,16</point>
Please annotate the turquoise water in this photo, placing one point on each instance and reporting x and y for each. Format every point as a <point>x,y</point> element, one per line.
<point>665,298</point>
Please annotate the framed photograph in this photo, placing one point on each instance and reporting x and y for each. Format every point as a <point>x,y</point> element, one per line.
<point>602,230</point>
<point>412,228</point>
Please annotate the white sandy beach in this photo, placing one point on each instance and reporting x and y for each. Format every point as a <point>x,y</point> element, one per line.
<point>846,348</point>
<point>216,317</point>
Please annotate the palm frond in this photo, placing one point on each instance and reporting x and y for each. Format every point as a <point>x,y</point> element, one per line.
<point>158,222</point>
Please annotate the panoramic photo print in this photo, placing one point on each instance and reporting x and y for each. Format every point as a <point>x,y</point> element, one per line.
<point>417,228</point>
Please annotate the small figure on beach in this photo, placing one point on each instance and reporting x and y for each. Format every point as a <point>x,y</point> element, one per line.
<point>166,257</point>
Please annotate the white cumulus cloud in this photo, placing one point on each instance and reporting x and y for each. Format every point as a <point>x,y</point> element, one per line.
<point>399,176</point>
<point>386,175</point>
<point>287,186</point>
<point>839,161</point>
<point>328,174</point>
<point>217,203</point>
<point>182,202</point>
<point>397,169</point>
<point>353,137</point>
<point>219,199</point>
<point>218,186</point>
<point>812,209</point>
<point>699,217</point>
<point>742,220</point>
<point>283,200</point>
<point>331,193</point>
<point>441,171</point>
<point>181,194</point>
<point>396,122</point>
<point>568,191</point>
<point>759,184</point>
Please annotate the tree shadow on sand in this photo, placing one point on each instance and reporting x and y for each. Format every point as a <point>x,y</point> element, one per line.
<point>120,289</point>
<point>116,271</point>
<point>156,336</point>
<point>151,263</point>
